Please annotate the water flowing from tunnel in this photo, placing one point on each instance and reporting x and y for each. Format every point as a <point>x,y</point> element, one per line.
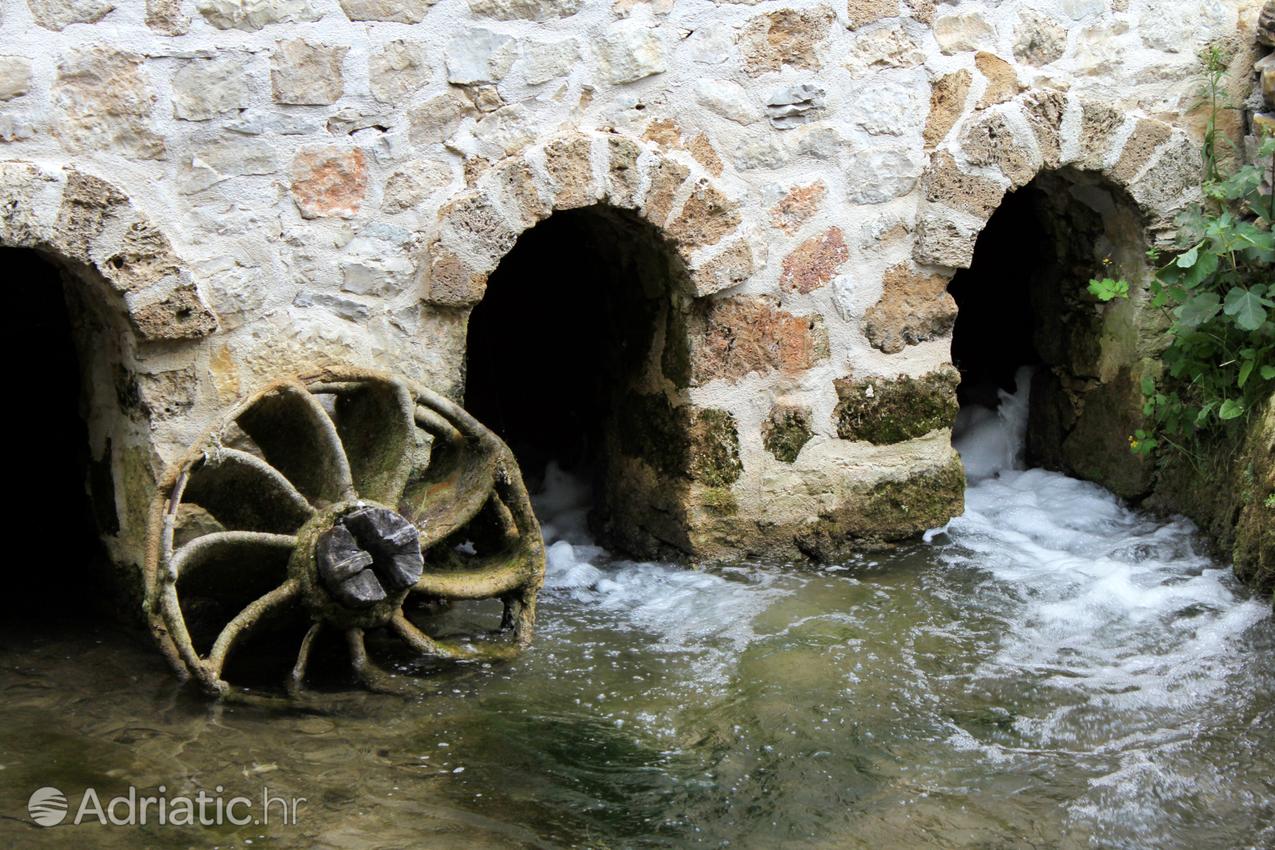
<point>1051,669</point>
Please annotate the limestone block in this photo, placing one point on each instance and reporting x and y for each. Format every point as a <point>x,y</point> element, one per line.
<point>397,70</point>
<point>1002,82</point>
<point>883,411</point>
<point>305,72</point>
<point>706,217</point>
<point>863,12</point>
<point>947,104</point>
<point>965,31</point>
<point>881,173</point>
<point>437,118</point>
<point>166,17</point>
<point>666,180</point>
<point>181,314</point>
<point>452,282</point>
<point>15,77</point>
<point>211,163</point>
<point>631,51</point>
<point>733,337</point>
<point>1045,116</point>
<point>944,238</point>
<point>786,430</point>
<point>570,166</point>
<point>206,88</point>
<point>1038,39</point>
<point>992,142</point>
<point>474,224</point>
<point>623,175</point>
<point>726,98</point>
<point>1147,137</point>
<point>479,56</point>
<point>814,262</point>
<point>329,181</point>
<point>893,46</point>
<point>59,14</point>
<point>786,37</point>
<point>544,60</point>
<point>731,267</point>
<point>104,103</point>
<point>891,105</point>
<point>253,15</point>
<point>798,206</point>
<point>792,106</point>
<point>914,307</point>
<point>946,183</point>
<point>411,184</point>
<point>398,11</point>
<point>526,10</point>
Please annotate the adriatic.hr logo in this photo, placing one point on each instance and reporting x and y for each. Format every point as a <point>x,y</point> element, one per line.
<point>49,807</point>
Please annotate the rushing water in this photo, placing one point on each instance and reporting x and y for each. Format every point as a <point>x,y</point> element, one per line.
<point>1050,670</point>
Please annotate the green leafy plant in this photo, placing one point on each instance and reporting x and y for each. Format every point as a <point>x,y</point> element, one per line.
<point>1217,289</point>
<point>1109,289</point>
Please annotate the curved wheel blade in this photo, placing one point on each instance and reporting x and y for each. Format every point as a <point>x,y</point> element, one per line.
<point>299,439</point>
<point>244,493</point>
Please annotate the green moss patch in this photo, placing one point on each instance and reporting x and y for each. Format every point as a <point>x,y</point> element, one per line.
<point>883,411</point>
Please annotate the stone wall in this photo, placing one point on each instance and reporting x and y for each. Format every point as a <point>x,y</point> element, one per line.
<point>261,186</point>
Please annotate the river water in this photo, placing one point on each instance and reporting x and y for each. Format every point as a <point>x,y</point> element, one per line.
<point>1050,670</point>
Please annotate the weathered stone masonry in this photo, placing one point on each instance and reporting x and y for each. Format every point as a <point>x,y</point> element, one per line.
<point>252,187</point>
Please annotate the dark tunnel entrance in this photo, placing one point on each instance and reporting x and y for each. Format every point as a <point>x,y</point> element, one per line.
<point>62,568</point>
<point>994,336</point>
<point>571,330</point>
<point>1023,304</point>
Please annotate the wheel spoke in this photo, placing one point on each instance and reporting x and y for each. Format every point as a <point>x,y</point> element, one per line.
<point>246,619</point>
<point>244,493</point>
<point>299,439</point>
<point>426,645</point>
<point>296,679</point>
<point>224,547</point>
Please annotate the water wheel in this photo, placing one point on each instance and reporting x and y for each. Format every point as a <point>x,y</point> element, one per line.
<point>345,501</point>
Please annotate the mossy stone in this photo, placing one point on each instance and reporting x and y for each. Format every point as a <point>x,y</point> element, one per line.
<point>883,411</point>
<point>785,431</point>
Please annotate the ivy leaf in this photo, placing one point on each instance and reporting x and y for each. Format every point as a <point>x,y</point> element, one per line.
<point>1198,310</point>
<point>1268,372</point>
<point>1230,409</point>
<point>1245,307</point>
<point>1246,369</point>
<point>1109,290</point>
<point>1188,259</point>
<point>1203,269</point>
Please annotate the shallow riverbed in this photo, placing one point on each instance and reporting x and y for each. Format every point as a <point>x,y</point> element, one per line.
<point>1051,670</point>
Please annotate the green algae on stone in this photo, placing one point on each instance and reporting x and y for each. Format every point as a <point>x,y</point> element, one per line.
<point>680,442</point>
<point>786,430</point>
<point>890,511</point>
<point>714,448</point>
<point>883,411</point>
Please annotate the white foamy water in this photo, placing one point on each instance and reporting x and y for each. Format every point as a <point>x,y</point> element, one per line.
<point>1097,599</point>
<point>684,610</point>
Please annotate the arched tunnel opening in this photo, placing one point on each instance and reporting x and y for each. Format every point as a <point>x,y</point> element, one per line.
<point>58,567</point>
<point>1024,311</point>
<point>569,333</point>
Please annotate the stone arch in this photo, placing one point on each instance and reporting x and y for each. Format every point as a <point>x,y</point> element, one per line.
<point>647,234</point>
<point>127,294</point>
<point>85,221</point>
<point>1079,183</point>
<point>698,217</point>
<point>1001,149</point>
